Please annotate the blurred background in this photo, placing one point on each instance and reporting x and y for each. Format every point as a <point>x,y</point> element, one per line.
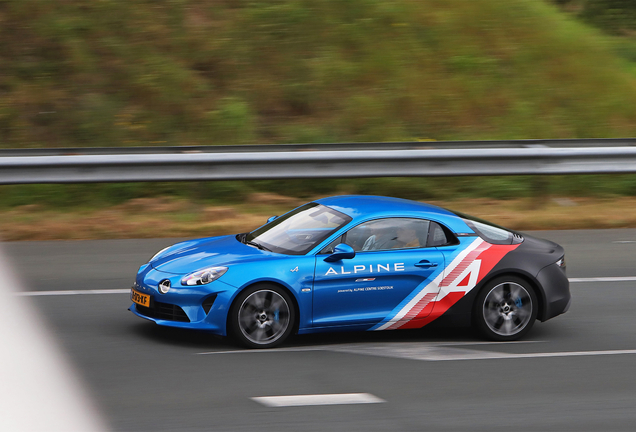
<point>108,73</point>
<point>194,72</point>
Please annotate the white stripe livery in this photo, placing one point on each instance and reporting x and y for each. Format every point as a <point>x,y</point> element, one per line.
<point>446,282</point>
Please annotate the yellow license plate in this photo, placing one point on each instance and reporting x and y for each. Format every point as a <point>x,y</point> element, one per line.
<point>139,298</point>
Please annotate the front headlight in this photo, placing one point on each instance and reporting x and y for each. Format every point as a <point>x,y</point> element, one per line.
<point>204,276</point>
<point>561,262</point>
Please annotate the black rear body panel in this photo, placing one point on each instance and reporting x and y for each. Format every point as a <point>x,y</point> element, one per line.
<point>533,260</point>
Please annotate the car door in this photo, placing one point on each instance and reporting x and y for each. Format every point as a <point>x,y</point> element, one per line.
<point>392,267</point>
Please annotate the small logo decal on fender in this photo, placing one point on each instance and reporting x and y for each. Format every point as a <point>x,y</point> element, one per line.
<point>294,269</point>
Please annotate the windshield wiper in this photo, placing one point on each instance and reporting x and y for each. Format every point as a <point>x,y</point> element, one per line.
<point>243,239</point>
<point>258,245</point>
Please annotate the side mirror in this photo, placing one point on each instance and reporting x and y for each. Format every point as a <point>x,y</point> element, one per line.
<point>340,252</point>
<point>271,219</point>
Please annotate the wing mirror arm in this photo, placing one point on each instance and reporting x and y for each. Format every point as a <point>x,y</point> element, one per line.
<point>340,252</point>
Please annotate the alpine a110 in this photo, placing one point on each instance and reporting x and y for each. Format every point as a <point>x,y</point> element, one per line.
<point>357,263</point>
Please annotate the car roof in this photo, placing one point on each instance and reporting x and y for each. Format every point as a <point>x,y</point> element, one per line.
<point>364,207</point>
<point>358,206</point>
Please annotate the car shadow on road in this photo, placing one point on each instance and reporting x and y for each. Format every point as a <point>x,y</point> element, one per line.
<point>188,338</point>
<point>429,334</point>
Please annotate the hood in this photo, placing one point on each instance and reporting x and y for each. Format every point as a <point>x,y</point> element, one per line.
<point>191,256</point>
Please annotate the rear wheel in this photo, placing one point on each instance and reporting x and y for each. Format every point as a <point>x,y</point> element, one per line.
<point>505,309</point>
<point>262,316</point>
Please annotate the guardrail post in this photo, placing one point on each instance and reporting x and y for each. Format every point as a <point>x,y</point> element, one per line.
<point>540,191</point>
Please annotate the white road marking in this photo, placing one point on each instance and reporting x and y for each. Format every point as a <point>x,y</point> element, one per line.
<point>258,351</point>
<point>624,241</point>
<point>71,292</point>
<point>605,279</point>
<point>318,399</point>
<point>126,291</point>
<point>432,351</point>
<point>425,352</point>
<point>494,355</point>
<point>346,347</point>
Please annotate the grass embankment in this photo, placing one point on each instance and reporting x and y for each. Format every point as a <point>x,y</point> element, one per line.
<point>78,73</point>
<point>194,72</point>
<point>166,217</point>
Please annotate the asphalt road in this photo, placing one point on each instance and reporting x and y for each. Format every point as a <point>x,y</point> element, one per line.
<point>575,372</point>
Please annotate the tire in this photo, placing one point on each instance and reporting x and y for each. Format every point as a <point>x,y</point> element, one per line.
<point>262,316</point>
<point>505,309</point>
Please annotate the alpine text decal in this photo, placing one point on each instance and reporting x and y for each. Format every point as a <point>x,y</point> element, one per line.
<point>365,289</point>
<point>372,268</point>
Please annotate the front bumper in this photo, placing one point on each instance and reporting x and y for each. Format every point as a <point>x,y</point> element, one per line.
<point>213,327</point>
<point>202,307</point>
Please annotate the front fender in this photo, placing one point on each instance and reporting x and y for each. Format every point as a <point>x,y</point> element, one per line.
<point>294,273</point>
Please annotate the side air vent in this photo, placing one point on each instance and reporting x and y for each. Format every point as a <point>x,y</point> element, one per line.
<point>208,302</point>
<point>517,238</point>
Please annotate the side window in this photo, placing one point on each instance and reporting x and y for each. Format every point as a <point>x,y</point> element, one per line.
<point>329,248</point>
<point>385,234</point>
<point>439,236</point>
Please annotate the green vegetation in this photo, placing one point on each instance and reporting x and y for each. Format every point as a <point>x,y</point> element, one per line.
<point>195,72</point>
<point>111,73</point>
<point>95,196</point>
<point>613,16</point>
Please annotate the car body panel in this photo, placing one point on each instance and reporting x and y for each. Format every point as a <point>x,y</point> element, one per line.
<point>216,251</point>
<point>466,266</point>
<point>372,284</point>
<point>374,290</point>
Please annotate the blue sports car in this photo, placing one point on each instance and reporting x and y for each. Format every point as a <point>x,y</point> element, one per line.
<point>355,263</point>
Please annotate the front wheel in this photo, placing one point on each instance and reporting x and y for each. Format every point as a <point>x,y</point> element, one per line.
<point>262,316</point>
<point>505,309</point>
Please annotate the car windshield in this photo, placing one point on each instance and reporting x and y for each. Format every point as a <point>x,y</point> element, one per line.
<point>298,231</point>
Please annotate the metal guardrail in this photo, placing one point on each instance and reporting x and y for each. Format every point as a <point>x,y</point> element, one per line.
<point>536,160</point>
<point>258,148</point>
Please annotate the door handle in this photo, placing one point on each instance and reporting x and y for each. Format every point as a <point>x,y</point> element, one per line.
<point>426,264</point>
